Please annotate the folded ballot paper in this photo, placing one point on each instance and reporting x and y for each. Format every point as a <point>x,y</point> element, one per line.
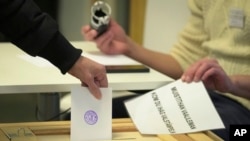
<point>91,119</point>
<point>175,108</point>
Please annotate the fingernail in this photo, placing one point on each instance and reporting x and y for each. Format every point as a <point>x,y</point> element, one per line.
<point>196,79</point>
<point>188,79</point>
<point>183,78</point>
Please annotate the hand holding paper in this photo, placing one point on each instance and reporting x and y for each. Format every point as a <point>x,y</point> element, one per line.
<point>175,108</point>
<point>91,119</point>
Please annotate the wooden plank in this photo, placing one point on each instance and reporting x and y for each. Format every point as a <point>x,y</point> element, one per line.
<point>164,137</point>
<point>200,137</point>
<point>3,137</point>
<point>213,136</point>
<point>119,126</point>
<point>18,134</point>
<point>182,137</point>
<point>63,127</point>
<point>121,120</point>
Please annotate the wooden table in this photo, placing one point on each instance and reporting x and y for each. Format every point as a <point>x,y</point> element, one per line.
<point>123,129</point>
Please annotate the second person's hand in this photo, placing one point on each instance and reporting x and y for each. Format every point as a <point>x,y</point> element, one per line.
<point>211,73</point>
<point>113,41</point>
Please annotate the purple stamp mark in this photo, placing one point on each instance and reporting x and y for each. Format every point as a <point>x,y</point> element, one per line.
<point>90,117</point>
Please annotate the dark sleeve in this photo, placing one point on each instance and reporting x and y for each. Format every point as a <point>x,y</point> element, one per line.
<point>36,33</point>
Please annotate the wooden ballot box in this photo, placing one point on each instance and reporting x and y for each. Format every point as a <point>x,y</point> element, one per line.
<point>123,130</point>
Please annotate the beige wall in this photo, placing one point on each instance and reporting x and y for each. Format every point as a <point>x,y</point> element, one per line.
<point>72,15</point>
<point>164,20</point>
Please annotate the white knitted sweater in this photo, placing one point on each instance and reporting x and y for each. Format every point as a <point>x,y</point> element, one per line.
<point>208,34</point>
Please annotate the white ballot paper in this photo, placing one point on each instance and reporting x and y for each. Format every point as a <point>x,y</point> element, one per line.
<point>175,108</point>
<point>91,119</point>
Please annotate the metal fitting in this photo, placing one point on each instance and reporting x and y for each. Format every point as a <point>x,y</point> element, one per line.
<point>100,16</point>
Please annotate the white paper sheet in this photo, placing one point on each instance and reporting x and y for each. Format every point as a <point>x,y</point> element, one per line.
<point>174,108</point>
<point>91,119</point>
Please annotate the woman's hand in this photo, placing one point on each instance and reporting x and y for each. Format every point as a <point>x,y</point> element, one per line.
<point>113,41</point>
<point>211,73</point>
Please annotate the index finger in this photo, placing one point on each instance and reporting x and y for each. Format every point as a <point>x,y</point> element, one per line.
<point>95,90</point>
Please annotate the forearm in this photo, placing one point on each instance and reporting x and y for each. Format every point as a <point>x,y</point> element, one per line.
<point>163,63</point>
<point>60,53</point>
<point>241,85</point>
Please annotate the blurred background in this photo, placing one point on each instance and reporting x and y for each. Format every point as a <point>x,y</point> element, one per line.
<point>153,23</point>
<point>72,15</point>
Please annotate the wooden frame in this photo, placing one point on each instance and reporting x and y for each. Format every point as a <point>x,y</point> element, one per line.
<point>136,20</point>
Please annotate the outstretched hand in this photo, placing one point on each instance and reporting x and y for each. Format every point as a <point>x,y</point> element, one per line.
<point>113,41</point>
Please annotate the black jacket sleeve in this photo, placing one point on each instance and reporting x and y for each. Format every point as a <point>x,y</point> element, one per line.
<point>36,33</point>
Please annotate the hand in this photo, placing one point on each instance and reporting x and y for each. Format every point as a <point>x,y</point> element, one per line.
<point>91,74</point>
<point>113,41</point>
<point>211,73</point>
